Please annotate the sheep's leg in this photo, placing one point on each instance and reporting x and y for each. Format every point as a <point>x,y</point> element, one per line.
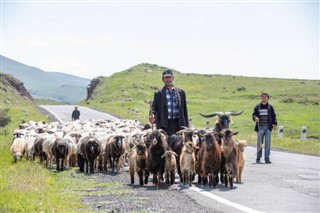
<point>86,165</point>
<point>57,162</point>
<point>140,174</point>
<point>112,164</point>
<point>62,164</point>
<point>91,166</point>
<point>146,177</point>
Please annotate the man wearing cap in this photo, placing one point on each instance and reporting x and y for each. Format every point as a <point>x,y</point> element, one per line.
<point>169,107</point>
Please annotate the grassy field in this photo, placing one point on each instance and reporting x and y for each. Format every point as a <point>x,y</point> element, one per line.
<point>296,102</point>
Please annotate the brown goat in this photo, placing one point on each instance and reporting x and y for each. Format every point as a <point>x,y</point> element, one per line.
<point>240,159</point>
<point>187,163</point>
<point>211,160</point>
<point>170,165</point>
<point>229,151</point>
<point>138,163</point>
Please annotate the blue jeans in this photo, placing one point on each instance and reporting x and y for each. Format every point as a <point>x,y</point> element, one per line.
<point>263,136</point>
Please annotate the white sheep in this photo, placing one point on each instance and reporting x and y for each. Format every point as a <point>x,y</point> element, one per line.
<point>18,148</point>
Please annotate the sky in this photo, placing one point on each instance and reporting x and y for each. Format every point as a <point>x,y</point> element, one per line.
<point>276,39</point>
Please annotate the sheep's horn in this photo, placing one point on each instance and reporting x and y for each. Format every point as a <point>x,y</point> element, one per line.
<point>210,115</point>
<point>234,113</point>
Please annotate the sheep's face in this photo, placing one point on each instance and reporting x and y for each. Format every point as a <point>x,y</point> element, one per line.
<point>136,138</point>
<point>119,140</point>
<point>17,157</point>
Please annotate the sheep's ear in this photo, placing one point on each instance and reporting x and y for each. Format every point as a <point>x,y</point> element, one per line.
<point>163,155</point>
<point>235,133</point>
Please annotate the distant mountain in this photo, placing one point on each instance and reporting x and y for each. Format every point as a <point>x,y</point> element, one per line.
<point>47,85</point>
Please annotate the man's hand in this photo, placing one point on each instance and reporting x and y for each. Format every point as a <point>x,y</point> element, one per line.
<point>274,126</point>
<point>257,119</point>
<point>151,118</point>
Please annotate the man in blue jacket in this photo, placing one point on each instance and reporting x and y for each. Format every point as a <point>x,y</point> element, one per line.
<point>265,118</point>
<point>169,106</point>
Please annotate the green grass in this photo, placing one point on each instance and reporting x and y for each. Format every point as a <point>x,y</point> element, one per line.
<point>297,102</point>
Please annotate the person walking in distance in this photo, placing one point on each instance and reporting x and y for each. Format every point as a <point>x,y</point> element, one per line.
<point>169,106</point>
<point>265,117</point>
<point>75,114</point>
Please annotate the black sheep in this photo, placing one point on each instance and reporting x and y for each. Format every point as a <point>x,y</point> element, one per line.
<point>60,152</point>
<point>89,151</point>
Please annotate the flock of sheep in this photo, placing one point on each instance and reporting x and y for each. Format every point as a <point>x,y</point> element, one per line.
<point>100,145</point>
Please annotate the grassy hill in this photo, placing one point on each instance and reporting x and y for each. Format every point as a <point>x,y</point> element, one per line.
<point>296,101</point>
<point>47,85</point>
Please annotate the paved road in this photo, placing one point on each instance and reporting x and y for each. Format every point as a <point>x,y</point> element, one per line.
<point>62,113</point>
<point>290,184</point>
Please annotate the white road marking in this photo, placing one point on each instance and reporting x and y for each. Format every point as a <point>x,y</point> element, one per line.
<point>223,201</point>
<point>52,113</point>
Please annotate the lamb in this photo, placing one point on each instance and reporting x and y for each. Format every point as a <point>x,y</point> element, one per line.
<point>114,149</point>
<point>241,159</point>
<point>170,166</point>
<point>18,148</point>
<point>60,151</point>
<point>187,162</point>
<point>138,163</point>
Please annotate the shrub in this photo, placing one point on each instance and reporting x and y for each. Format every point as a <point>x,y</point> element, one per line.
<point>4,118</point>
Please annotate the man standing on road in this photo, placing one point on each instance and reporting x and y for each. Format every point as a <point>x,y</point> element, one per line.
<point>265,118</point>
<point>75,114</point>
<point>169,107</point>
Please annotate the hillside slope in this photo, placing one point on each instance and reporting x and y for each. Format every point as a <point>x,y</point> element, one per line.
<point>296,101</point>
<point>47,85</point>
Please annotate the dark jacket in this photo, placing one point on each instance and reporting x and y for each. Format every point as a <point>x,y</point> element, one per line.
<point>271,116</point>
<point>75,114</point>
<point>160,108</point>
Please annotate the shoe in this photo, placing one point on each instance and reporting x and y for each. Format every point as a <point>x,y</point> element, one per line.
<point>258,161</point>
<point>268,161</point>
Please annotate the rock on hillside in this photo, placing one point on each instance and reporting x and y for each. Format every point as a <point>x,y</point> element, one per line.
<point>8,82</point>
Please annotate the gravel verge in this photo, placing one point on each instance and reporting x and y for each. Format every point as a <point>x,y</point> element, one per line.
<point>121,196</point>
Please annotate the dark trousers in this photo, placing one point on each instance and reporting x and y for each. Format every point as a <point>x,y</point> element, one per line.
<point>173,126</point>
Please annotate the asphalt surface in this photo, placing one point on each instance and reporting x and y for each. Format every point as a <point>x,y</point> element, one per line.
<point>290,184</point>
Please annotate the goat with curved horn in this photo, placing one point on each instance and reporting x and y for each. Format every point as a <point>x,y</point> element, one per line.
<point>234,113</point>
<point>211,115</point>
